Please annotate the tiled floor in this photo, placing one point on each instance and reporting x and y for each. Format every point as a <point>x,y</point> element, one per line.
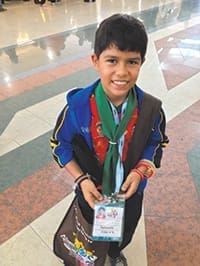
<point>44,51</point>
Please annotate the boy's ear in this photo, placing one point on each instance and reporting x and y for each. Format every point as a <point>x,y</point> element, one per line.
<point>94,59</point>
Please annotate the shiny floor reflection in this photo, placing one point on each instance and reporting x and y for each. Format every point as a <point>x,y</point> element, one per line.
<point>33,55</point>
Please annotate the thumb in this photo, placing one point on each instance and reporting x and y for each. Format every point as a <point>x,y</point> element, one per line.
<point>125,186</point>
<point>98,195</point>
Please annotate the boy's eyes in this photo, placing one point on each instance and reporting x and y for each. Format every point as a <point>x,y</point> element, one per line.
<point>131,61</point>
<point>111,60</point>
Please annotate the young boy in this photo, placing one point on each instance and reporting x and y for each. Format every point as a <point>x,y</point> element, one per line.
<point>123,127</point>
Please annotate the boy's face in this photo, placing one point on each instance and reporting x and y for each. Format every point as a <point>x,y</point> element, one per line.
<point>118,71</point>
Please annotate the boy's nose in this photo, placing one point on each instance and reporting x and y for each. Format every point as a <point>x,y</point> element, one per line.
<point>121,69</point>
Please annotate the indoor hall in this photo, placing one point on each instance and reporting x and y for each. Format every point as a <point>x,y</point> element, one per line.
<point>45,51</point>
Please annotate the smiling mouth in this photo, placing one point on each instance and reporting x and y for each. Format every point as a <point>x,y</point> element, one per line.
<point>119,82</point>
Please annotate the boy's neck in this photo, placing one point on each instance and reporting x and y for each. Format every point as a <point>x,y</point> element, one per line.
<point>118,102</point>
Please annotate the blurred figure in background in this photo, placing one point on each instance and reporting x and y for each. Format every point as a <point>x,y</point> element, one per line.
<point>1,6</point>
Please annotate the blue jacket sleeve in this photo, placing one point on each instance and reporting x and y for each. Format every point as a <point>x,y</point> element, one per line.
<point>61,138</point>
<point>157,140</point>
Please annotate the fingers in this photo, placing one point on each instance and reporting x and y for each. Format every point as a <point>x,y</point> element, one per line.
<point>130,185</point>
<point>128,192</point>
<point>91,194</point>
<point>125,186</point>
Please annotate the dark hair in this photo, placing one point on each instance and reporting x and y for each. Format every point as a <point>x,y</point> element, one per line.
<point>123,31</point>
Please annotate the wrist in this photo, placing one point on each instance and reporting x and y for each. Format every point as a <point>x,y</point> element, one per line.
<point>80,179</point>
<point>138,172</point>
<point>147,167</point>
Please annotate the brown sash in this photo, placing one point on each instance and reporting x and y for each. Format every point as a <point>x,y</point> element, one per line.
<point>147,115</point>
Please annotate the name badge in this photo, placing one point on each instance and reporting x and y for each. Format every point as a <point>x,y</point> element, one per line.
<point>108,219</point>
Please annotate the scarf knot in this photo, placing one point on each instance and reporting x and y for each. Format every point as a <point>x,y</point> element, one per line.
<point>112,142</point>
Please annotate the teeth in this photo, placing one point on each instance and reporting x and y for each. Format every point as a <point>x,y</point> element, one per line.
<point>120,82</point>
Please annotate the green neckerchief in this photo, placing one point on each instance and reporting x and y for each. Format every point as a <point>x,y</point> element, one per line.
<point>113,133</point>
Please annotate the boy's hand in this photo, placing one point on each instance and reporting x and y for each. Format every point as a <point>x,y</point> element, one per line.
<point>130,185</point>
<point>90,192</point>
